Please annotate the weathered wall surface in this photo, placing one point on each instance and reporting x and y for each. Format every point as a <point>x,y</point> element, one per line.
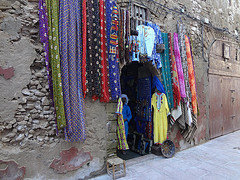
<point>27,130</point>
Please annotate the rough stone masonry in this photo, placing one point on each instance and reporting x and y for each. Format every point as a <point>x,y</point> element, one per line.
<point>27,122</point>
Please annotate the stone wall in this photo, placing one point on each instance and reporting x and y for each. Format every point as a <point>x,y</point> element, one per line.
<point>27,127</point>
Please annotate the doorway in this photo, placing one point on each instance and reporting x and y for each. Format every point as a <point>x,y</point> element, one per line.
<point>136,80</point>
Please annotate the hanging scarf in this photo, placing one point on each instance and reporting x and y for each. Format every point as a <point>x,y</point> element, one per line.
<point>71,57</point>
<point>105,95</point>
<point>182,45</point>
<point>166,72</point>
<point>127,35</point>
<point>114,77</point>
<point>191,76</point>
<point>43,31</point>
<point>179,66</point>
<point>157,83</point>
<point>156,57</point>
<point>84,46</point>
<point>52,8</point>
<point>175,82</point>
<point>121,37</point>
<point>122,140</point>
<point>93,65</point>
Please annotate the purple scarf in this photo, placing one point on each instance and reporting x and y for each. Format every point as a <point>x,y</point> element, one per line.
<point>179,66</point>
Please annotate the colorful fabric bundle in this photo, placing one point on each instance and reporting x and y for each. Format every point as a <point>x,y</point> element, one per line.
<point>166,72</point>
<point>84,47</point>
<point>156,57</point>
<point>93,64</point>
<point>54,56</point>
<point>114,74</point>
<point>105,96</point>
<point>191,76</point>
<point>175,82</point>
<point>71,57</point>
<point>182,45</point>
<point>179,66</point>
<point>122,141</point>
<point>43,32</point>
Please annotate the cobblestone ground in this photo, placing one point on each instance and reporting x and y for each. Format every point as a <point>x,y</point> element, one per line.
<point>215,160</point>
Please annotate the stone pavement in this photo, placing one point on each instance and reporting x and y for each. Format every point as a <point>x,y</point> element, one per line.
<point>215,160</point>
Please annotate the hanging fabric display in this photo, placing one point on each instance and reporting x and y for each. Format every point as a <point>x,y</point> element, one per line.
<point>179,66</point>
<point>127,36</point>
<point>43,32</point>
<point>84,46</point>
<point>166,72</point>
<point>54,56</point>
<point>121,37</point>
<point>160,122</point>
<point>114,74</point>
<point>175,82</point>
<point>156,57</point>
<point>93,64</point>
<point>105,94</point>
<point>182,46</point>
<point>71,57</point>
<point>122,141</point>
<point>191,76</point>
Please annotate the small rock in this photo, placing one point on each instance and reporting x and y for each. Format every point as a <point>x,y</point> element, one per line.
<point>35,121</point>
<point>46,138</point>
<point>33,111</point>
<point>26,92</point>
<point>39,74</point>
<point>29,106</point>
<point>14,130</point>
<point>11,135</point>
<point>1,128</point>
<point>45,108</point>
<point>34,31</point>
<point>39,87</point>
<point>47,112</point>
<point>26,118</point>
<point>20,137</point>
<point>31,131</point>
<point>51,117</point>
<point>52,122</point>
<point>32,98</point>
<point>35,116</point>
<point>9,126</point>
<point>24,100</point>
<point>38,105</point>
<point>22,122</point>
<point>45,101</point>
<point>22,110</point>
<point>40,94</point>
<point>5,140</point>
<point>21,128</point>
<point>12,121</point>
<point>16,5</point>
<point>20,106</point>
<point>30,136</point>
<point>39,138</point>
<point>43,90</point>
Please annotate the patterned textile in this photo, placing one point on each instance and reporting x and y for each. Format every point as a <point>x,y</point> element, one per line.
<point>127,36</point>
<point>114,75</point>
<point>121,37</point>
<point>191,76</point>
<point>84,46</point>
<point>105,95</point>
<point>156,57</point>
<point>166,72</point>
<point>122,141</point>
<point>175,82</point>
<point>160,122</point>
<point>93,65</point>
<point>179,66</point>
<point>71,57</point>
<point>52,8</point>
<point>182,45</point>
<point>156,83</point>
<point>43,31</point>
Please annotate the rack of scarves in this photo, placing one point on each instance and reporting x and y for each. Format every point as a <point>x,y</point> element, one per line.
<point>81,43</point>
<point>177,70</point>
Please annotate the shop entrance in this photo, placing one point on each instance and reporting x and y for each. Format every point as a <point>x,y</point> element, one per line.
<point>136,79</point>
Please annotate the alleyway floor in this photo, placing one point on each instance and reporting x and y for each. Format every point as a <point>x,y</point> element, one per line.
<point>215,160</point>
